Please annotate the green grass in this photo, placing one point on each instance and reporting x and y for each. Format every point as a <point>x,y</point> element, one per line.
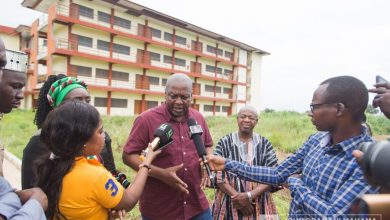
<point>286,131</point>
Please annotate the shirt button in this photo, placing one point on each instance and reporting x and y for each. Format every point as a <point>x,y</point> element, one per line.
<point>184,153</point>
<point>185,202</point>
<point>185,169</point>
<point>182,137</point>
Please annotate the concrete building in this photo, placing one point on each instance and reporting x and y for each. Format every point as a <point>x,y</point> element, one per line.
<point>125,52</point>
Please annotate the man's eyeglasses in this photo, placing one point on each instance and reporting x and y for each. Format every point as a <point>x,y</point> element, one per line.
<point>173,96</point>
<point>315,106</point>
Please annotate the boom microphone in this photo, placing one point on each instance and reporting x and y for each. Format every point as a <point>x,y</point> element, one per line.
<point>195,134</point>
<point>162,138</point>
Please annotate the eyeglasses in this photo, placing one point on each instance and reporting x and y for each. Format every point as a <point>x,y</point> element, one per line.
<point>173,96</point>
<point>315,106</point>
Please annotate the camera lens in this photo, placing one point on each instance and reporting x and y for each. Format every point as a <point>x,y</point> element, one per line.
<point>376,162</point>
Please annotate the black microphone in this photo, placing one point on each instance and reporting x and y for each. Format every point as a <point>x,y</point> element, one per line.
<point>162,138</point>
<point>195,134</point>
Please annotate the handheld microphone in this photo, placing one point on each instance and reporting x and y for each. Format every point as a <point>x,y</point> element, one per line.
<point>195,134</point>
<point>162,138</point>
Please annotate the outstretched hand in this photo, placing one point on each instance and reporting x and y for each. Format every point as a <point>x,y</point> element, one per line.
<point>216,163</point>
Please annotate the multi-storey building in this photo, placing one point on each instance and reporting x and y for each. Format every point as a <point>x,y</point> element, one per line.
<point>125,52</point>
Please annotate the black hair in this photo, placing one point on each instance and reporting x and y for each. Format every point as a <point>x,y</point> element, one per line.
<point>350,91</point>
<point>43,106</point>
<point>66,130</point>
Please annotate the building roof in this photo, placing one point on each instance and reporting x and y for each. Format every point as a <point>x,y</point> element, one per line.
<point>138,10</point>
<point>7,30</point>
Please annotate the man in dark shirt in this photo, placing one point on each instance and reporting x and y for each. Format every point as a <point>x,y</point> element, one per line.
<point>173,191</point>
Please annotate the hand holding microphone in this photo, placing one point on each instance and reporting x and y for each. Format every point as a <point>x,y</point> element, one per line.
<point>162,138</point>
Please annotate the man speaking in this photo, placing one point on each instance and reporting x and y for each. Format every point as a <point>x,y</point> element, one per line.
<point>174,190</point>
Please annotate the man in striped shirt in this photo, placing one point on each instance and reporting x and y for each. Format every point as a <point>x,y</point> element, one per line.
<point>323,176</point>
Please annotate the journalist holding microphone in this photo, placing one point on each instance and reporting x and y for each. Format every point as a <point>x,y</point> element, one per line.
<point>174,190</point>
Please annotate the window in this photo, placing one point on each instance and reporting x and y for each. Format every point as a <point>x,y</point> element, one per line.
<point>154,80</point>
<point>155,32</point>
<point>121,76</point>
<point>85,11</point>
<point>219,52</point>
<point>84,41</point>
<point>155,56</point>
<point>121,22</point>
<point>100,102</point>
<point>210,69</point>
<point>119,103</point>
<point>208,108</point>
<point>218,89</point>
<point>167,36</point>
<point>151,104</point>
<point>164,82</point>
<point>84,71</point>
<point>104,17</point>
<point>167,59</point>
<point>209,88</point>
<point>227,72</point>
<point>219,70</point>
<point>217,108</point>
<point>227,90</point>
<point>228,54</point>
<point>225,108</point>
<point>117,48</point>
<point>181,40</point>
<point>103,45</point>
<point>101,73</point>
<point>180,62</point>
<point>210,49</point>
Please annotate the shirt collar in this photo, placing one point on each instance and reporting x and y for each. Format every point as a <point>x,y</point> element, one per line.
<point>346,145</point>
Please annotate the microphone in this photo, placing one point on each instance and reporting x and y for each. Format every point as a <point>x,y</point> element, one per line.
<point>195,134</point>
<point>162,138</point>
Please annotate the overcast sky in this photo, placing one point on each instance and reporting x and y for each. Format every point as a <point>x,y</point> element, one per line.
<point>309,40</point>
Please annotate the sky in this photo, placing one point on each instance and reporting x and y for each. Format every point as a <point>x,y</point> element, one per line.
<point>309,40</point>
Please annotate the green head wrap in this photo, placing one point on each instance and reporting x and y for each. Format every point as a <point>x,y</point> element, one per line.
<point>60,88</point>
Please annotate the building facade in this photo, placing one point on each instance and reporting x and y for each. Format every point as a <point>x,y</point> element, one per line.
<point>125,52</point>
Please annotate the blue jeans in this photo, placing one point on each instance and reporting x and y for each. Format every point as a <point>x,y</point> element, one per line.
<point>206,215</point>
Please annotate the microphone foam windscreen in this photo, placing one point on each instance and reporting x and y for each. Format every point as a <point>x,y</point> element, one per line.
<point>164,132</point>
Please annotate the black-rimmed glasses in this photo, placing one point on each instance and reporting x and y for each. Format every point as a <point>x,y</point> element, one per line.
<point>315,106</point>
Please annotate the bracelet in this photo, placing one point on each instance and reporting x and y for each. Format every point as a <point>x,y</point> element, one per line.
<point>145,165</point>
<point>249,197</point>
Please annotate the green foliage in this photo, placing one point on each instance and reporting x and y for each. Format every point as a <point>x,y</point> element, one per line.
<point>286,131</point>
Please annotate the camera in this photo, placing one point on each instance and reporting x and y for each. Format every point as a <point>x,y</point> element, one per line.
<point>376,162</point>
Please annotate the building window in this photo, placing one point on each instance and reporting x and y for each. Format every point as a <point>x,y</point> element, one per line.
<point>85,11</point>
<point>121,76</point>
<point>164,82</point>
<point>84,41</point>
<point>180,62</point>
<point>211,49</point>
<point>219,70</point>
<point>155,56</point>
<point>155,32</point>
<point>167,36</point>
<point>225,108</point>
<point>100,102</point>
<point>227,72</point>
<point>101,73</point>
<point>208,108</point>
<point>228,54</point>
<point>103,45</point>
<point>84,71</point>
<point>118,103</point>
<point>217,108</point>
<point>219,52</point>
<point>154,80</point>
<point>227,90</point>
<point>104,17</point>
<point>151,104</point>
<point>167,59</point>
<point>181,40</point>
<point>117,48</point>
<point>121,22</point>
<point>218,89</point>
<point>209,88</point>
<point>210,69</point>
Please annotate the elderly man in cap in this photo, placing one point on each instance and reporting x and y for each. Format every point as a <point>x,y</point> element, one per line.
<point>23,204</point>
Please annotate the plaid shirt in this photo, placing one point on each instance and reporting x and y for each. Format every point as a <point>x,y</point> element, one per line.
<point>330,179</point>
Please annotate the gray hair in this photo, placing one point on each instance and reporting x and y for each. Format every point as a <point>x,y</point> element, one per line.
<point>179,77</point>
<point>248,108</point>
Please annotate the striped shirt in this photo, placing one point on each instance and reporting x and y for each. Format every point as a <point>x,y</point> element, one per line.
<point>261,154</point>
<point>331,178</point>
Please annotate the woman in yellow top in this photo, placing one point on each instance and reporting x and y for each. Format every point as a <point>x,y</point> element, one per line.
<point>77,185</point>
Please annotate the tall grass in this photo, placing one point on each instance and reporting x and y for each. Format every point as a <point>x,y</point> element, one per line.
<point>286,131</point>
